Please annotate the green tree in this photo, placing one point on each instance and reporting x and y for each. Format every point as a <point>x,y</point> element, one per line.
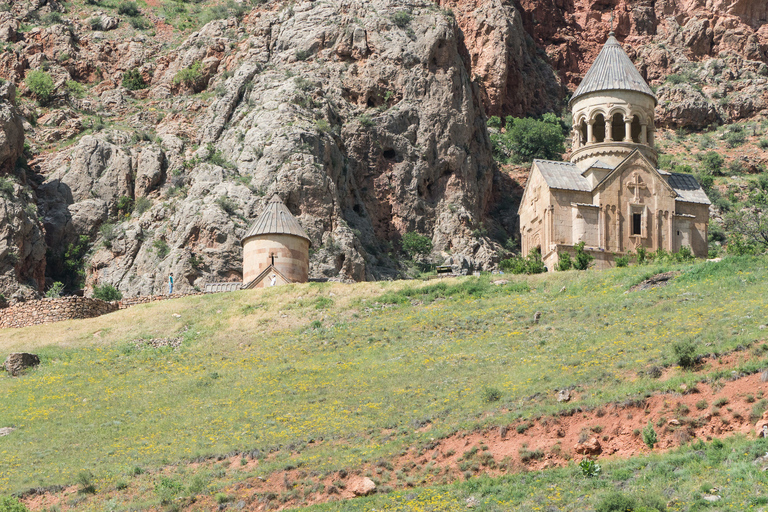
<point>712,162</point>
<point>565,262</point>
<point>106,292</point>
<point>524,139</point>
<point>133,81</point>
<point>41,85</point>
<point>415,244</point>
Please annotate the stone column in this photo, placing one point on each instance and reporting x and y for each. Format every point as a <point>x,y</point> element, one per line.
<point>608,131</point>
<point>627,129</point>
<point>651,137</point>
<point>590,132</point>
<point>643,134</point>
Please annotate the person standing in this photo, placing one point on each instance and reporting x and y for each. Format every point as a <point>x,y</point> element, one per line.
<point>170,284</point>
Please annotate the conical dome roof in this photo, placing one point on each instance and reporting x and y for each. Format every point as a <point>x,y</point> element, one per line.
<point>611,71</point>
<point>276,219</point>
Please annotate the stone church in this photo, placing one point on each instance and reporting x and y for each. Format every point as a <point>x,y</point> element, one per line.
<point>611,195</point>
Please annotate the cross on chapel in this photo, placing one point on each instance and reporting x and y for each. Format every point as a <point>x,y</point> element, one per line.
<point>637,185</point>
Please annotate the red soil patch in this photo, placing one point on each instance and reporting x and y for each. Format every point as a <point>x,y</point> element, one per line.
<point>678,417</point>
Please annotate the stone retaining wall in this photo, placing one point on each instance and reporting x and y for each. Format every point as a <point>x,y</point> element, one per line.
<point>144,299</point>
<point>46,311</point>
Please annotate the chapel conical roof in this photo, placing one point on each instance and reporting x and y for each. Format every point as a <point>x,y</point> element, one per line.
<point>276,219</point>
<point>611,71</point>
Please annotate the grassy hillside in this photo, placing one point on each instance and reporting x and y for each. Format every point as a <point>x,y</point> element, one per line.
<point>325,377</point>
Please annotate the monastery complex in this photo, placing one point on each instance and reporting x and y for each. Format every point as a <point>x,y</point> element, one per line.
<point>611,195</point>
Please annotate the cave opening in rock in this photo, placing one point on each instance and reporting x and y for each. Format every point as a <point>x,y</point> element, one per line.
<point>389,154</point>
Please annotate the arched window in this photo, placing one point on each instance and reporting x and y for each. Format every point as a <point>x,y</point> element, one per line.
<point>636,129</point>
<point>598,129</point>
<point>619,131</point>
<point>582,133</point>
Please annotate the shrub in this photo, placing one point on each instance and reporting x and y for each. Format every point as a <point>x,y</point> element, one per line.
<point>415,244</point>
<point>106,292</point>
<point>76,89</point>
<point>684,352</point>
<point>529,455</point>
<point>589,468</point>
<point>54,292</point>
<point>86,485</point>
<point>565,262</point>
<point>189,76</point>
<point>141,205</point>
<point>675,79</point>
<point>128,8</point>
<point>701,404</point>
<point>108,233</point>
<point>8,504</point>
<point>52,18</point>
<point>402,18</point>
<point>712,162</point>
<point>649,436</point>
<point>227,204</point>
<point>125,205</point>
<point>531,264</point>
<point>133,81</point>
<point>621,261</point>
<point>161,246</point>
<point>366,121</point>
<point>527,138</point>
<point>491,394</point>
<point>763,143</point>
<point>41,85</point>
<point>95,23</point>
<point>582,259</point>
<point>735,138</point>
<point>6,186</point>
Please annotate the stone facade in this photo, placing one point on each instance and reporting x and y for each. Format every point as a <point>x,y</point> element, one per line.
<point>291,257</point>
<point>275,241</point>
<point>46,311</point>
<point>611,196</point>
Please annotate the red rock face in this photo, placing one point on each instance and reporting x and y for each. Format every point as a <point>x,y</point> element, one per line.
<point>506,42</point>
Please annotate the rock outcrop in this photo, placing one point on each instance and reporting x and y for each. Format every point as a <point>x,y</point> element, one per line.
<point>367,127</point>
<point>17,362</point>
<point>22,245</point>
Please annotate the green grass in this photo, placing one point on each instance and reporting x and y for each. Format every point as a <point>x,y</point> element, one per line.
<point>674,481</point>
<point>330,385</point>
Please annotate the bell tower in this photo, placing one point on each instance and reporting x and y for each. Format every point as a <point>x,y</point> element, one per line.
<point>612,111</point>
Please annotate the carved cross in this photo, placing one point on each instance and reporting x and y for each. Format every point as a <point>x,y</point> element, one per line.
<point>637,185</point>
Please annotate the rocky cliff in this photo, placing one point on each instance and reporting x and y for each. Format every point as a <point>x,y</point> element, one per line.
<point>167,128</point>
<point>362,116</point>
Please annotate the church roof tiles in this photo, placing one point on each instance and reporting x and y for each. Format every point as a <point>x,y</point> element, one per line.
<point>562,175</point>
<point>276,219</point>
<point>612,70</point>
<point>567,176</point>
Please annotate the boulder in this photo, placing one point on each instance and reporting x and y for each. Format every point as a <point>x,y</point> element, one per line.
<point>589,447</point>
<point>361,486</point>
<point>17,362</point>
<point>564,395</point>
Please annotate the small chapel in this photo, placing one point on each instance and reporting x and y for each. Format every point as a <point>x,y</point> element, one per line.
<point>611,195</point>
<point>275,251</point>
